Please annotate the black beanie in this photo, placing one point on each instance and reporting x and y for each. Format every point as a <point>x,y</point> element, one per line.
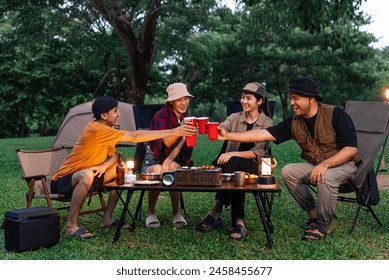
<point>103,104</point>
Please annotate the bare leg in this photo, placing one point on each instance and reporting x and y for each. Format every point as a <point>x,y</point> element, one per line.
<point>151,202</point>
<point>175,200</point>
<point>81,182</point>
<point>107,219</point>
<point>152,196</point>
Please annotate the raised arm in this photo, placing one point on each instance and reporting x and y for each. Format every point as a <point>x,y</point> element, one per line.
<point>247,136</point>
<point>149,135</point>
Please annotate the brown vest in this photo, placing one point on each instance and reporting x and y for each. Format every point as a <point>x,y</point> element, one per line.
<point>323,145</point>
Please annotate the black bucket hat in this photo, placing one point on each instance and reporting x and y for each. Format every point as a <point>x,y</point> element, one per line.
<point>306,87</point>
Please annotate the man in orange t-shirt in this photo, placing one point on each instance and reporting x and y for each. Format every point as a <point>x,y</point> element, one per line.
<point>92,161</point>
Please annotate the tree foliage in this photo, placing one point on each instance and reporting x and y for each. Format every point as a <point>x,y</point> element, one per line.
<point>55,54</point>
<point>320,39</point>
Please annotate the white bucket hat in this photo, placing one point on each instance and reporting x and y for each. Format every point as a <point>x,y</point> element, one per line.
<point>176,91</point>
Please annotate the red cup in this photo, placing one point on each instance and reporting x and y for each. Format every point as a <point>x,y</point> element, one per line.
<point>212,130</point>
<point>202,123</point>
<point>190,140</point>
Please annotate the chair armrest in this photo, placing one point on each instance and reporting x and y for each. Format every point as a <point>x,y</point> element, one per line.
<point>36,177</point>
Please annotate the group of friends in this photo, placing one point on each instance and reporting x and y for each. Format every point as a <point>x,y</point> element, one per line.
<point>325,134</point>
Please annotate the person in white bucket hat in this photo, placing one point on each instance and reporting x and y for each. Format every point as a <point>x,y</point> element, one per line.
<point>170,153</point>
<point>176,91</point>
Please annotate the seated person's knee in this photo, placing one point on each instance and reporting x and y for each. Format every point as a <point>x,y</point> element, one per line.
<point>154,169</point>
<point>286,170</point>
<point>86,177</point>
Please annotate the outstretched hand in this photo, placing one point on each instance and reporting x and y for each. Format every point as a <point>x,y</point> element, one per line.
<point>184,130</point>
<point>222,133</point>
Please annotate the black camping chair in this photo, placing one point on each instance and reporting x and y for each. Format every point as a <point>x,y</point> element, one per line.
<point>371,121</point>
<point>143,115</point>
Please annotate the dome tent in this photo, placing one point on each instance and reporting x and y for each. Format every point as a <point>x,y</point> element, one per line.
<point>80,115</point>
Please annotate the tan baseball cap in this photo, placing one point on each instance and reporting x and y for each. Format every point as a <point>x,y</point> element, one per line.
<point>255,88</point>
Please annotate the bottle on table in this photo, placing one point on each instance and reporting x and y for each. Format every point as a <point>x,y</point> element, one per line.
<point>120,170</point>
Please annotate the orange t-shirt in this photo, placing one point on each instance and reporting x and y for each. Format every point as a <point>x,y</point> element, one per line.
<point>97,141</point>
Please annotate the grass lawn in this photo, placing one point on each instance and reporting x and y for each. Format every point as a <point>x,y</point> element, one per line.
<point>369,241</point>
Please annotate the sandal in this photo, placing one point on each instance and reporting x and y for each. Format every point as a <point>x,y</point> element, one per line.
<point>238,229</point>
<point>209,223</point>
<point>152,222</point>
<point>114,225</point>
<point>178,220</point>
<point>81,233</point>
<point>309,233</point>
<point>311,222</point>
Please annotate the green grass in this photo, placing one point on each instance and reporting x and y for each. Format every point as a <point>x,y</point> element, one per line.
<point>369,241</point>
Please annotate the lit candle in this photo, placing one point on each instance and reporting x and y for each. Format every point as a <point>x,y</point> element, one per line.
<point>266,167</point>
<point>130,164</point>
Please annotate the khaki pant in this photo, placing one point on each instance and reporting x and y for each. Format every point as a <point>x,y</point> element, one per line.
<point>296,177</point>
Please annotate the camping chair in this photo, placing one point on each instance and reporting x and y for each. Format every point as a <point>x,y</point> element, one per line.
<point>38,166</point>
<point>143,114</point>
<point>371,121</point>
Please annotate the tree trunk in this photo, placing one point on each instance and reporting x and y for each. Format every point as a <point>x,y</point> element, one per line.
<point>140,50</point>
<point>23,130</point>
<point>282,90</point>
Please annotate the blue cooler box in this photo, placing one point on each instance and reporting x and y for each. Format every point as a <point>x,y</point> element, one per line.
<point>31,228</point>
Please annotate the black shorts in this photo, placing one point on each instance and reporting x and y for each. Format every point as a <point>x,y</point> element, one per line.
<point>64,184</point>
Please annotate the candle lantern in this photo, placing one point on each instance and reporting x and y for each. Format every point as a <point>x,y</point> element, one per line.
<point>130,164</point>
<point>266,170</point>
<point>386,94</point>
<point>130,176</point>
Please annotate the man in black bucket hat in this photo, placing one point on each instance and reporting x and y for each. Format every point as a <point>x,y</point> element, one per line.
<point>92,161</point>
<point>327,138</point>
<point>305,87</point>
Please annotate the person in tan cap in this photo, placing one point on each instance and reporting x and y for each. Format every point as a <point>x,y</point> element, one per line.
<point>240,157</point>
<point>328,142</point>
<point>170,153</point>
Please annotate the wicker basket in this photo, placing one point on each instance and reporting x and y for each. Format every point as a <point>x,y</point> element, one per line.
<point>198,177</point>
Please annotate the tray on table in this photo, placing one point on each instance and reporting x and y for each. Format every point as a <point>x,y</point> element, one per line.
<point>198,177</point>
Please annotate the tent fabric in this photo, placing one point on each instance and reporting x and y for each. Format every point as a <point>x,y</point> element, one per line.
<point>79,116</point>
